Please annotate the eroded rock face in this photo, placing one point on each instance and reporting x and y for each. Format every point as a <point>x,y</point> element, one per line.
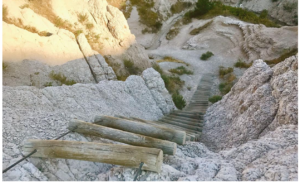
<point>260,101</point>
<point>106,21</point>
<point>32,113</point>
<point>227,35</point>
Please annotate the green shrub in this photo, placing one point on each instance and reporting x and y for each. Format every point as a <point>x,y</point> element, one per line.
<point>225,87</point>
<point>181,70</point>
<point>48,84</point>
<point>215,98</point>
<point>263,14</point>
<point>199,29</point>
<point>241,64</point>
<point>61,78</point>
<point>129,66</point>
<point>203,7</point>
<point>224,71</point>
<point>206,55</point>
<point>157,68</point>
<point>286,54</point>
<point>178,101</point>
<point>290,6</point>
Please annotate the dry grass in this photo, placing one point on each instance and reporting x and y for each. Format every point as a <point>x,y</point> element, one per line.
<point>82,17</point>
<point>89,26</point>
<point>199,29</point>
<point>170,59</point>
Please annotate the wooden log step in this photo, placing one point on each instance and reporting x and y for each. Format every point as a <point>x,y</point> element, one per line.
<point>195,129</point>
<point>124,155</point>
<point>200,120</point>
<point>196,122</point>
<point>192,135</point>
<point>188,113</point>
<point>142,128</point>
<point>188,117</point>
<point>122,136</point>
<point>181,124</point>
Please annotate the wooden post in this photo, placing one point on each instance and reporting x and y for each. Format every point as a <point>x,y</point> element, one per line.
<point>142,128</point>
<point>122,136</point>
<point>125,155</point>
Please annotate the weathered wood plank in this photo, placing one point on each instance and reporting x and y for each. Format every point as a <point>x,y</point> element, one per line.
<point>190,127</point>
<point>122,136</point>
<point>176,136</point>
<point>125,155</point>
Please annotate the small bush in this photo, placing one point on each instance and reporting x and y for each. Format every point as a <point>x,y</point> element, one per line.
<point>241,64</point>
<point>225,87</point>
<point>263,14</point>
<point>224,71</point>
<point>206,55</point>
<point>178,101</point>
<point>82,17</point>
<point>61,78</point>
<point>215,98</point>
<point>199,29</point>
<point>77,32</point>
<point>89,26</point>
<point>172,33</point>
<point>290,6</point>
<point>48,84</point>
<point>129,65</point>
<point>181,70</point>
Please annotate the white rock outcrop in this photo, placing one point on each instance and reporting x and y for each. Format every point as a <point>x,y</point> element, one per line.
<point>227,35</point>
<point>32,113</point>
<point>263,99</point>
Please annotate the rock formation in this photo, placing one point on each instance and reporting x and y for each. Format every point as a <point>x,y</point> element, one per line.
<point>263,99</point>
<point>32,113</point>
<point>257,41</point>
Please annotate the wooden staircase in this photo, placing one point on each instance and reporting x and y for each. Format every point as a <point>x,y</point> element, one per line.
<point>146,141</point>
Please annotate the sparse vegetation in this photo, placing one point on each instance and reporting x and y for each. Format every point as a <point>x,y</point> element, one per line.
<point>181,70</point>
<point>206,9</point>
<point>77,32</point>
<point>179,6</point>
<point>199,29</point>
<point>82,17</point>
<point>89,26</point>
<point>178,101</point>
<point>24,6</point>
<point>225,87</point>
<point>172,33</point>
<point>173,84</point>
<point>290,6</point>
<point>5,14</point>
<point>215,98</point>
<point>147,16</point>
<point>129,66</point>
<point>224,71</point>
<point>61,78</point>
<point>242,64</point>
<point>206,55</point>
<point>171,59</point>
<point>286,54</point>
